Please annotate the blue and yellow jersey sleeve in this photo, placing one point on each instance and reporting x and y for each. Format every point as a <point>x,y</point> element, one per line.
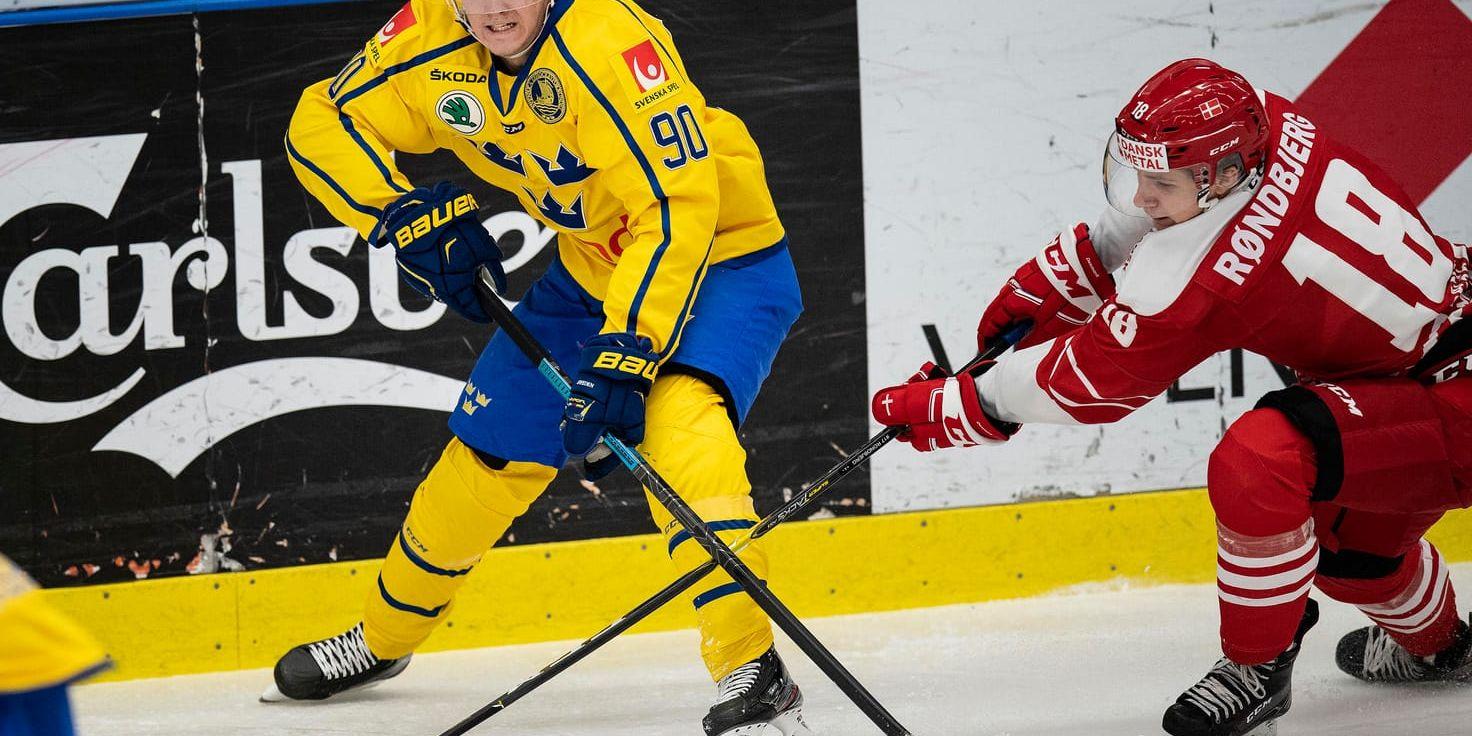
<point>344,129</point>
<point>640,125</point>
<point>39,647</point>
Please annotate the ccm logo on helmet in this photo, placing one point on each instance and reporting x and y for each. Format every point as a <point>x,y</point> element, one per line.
<point>1255,226</point>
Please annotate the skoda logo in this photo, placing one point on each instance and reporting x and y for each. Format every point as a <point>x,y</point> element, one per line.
<point>462,112</point>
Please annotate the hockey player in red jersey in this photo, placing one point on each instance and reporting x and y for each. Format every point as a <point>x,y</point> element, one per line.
<point>1261,232</point>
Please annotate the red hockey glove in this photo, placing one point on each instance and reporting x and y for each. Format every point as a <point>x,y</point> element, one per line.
<point>1057,291</point>
<point>939,412</point>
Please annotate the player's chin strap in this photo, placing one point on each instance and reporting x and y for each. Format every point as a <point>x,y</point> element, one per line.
<point>458,11</point>
<point>529,44</point>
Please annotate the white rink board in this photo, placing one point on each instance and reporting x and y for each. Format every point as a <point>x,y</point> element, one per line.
<point>984,124</point>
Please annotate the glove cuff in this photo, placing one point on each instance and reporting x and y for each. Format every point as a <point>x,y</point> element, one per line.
<point>1094,273</point>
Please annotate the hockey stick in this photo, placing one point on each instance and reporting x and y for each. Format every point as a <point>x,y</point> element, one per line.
<point>793,505</point>
<point>721,554</point>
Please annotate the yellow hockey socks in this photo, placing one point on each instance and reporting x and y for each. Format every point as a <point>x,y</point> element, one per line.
<point>692,444</point>
<point>459,511</point>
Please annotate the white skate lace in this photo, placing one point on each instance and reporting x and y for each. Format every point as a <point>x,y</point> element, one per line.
<point>1228,688</point>
<point>1387,660</point>
<point>343,655</point>
<point>738,682</point>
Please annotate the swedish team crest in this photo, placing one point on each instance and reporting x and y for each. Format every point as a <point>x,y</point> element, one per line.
<point>461,111</point>
<point>544,95</point>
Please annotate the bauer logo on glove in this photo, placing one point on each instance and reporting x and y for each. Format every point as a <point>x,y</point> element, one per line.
<point>618,361</point>
<point>441,245</point>
<point>437,217</point>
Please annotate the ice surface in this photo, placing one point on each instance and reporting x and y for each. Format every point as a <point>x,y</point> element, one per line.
<point>1096,661</point>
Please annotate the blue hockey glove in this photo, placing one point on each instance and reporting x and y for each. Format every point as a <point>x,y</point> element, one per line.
<point>608,392</point>
<point>439,243</point>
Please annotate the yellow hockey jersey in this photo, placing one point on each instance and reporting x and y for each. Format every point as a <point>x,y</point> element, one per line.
<point>601,135</point>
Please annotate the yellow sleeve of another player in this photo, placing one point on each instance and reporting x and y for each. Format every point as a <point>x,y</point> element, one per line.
<point>639,127</point>
<point>39,647</point>
<point>344,129</point>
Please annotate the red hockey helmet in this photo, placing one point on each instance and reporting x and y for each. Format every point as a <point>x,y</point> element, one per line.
<point>1194,115</point>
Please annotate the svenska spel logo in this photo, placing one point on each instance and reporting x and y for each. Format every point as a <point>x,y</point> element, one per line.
<point>396,25</point>
<point>646,66</point>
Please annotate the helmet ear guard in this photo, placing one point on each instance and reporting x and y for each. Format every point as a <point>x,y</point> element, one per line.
<point>1211,175</point>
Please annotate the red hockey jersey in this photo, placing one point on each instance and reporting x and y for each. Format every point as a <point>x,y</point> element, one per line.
<point>1326,267</point>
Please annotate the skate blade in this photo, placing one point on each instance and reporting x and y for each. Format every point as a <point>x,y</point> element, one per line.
<point>1267,729</point>
<point>789,723</point>
<point>273,694</point>
<point>792,724</point>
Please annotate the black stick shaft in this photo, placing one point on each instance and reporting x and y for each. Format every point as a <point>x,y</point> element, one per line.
<point>721,554</point>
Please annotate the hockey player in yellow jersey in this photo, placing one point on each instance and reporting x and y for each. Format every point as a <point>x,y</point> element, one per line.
<point>585,111</point>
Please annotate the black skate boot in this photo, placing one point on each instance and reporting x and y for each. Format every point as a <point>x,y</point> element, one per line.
<point>1235,699</point>
<point>325,668</point>
<point>755,697</point>
<point>1371,655</point>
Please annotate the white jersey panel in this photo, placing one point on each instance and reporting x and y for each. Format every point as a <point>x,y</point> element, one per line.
<point>1165,260</point>
<point>1010,392</point>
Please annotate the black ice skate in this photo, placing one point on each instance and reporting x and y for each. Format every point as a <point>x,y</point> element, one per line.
<point>1236,700</point>
<point>1371,655</point>
<point>325,668</point>
<point>755,697</point>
